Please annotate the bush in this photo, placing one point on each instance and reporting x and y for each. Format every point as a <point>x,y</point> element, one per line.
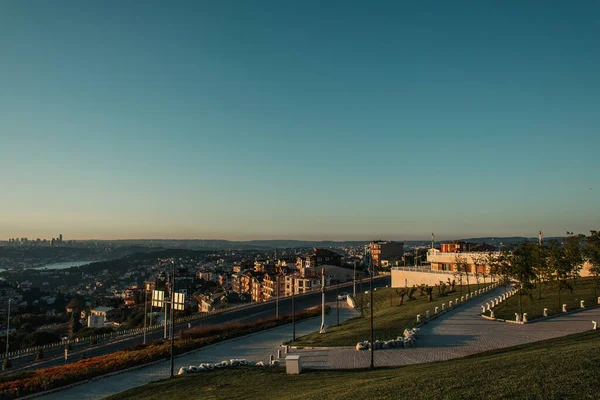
<point>7,364</point>
<point>54,377</point>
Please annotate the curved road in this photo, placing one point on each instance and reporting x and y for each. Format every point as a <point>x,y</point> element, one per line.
<point>260,310</point>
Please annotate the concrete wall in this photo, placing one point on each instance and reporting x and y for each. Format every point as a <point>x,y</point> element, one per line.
<point>406,278</point>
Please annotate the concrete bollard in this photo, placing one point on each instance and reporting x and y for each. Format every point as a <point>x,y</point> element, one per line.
<point>524,317</point>
<point>504,297</point>
<point>443,306</point>
<point>483,309</point>
<point>487,306</point>
<point>418,318</point>
<point>279,354</point>
<point>436,310</point>
<point>427,314</point>
<point>287,349</point>
<point>467,296</point>
<point>598,300</point>
<point>492,314</point>
<point>545,312</point>
<point>594,325</point>
<point>564,308</point>
<point>582,304</point>
<point>517,317</point>
<point>450,304</point>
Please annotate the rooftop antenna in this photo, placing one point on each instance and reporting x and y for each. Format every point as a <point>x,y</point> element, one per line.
<point>432,240</point>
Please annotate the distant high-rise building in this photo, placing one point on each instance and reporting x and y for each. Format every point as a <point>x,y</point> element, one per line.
<point>382,253</point>
<point>60,238</point>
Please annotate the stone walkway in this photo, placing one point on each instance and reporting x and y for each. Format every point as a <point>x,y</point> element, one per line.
<point>255,347</point>
<point>458,333</point>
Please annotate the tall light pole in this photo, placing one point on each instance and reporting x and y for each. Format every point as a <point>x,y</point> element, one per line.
<point>322,300</point>
<point>372,331</point>
<point>293,312</point>
<point>172,318</point>
<point>337,305</point>
<point>8,327</point>
<point>145,309</point>
<point>277,298</point>
<point>354,284</point>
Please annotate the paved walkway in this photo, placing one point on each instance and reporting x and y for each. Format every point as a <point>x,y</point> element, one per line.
<point>255,347</point>
<point>458,333</point>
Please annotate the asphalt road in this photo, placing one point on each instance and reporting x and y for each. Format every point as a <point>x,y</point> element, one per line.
<point>261,310</point>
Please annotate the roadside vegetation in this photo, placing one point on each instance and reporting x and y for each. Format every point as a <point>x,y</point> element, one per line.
<point>23,384</point>
<point>566,367</point>
<point>548,275</point>
<point>394,311</point>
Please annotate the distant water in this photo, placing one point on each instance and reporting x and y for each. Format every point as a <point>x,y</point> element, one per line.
<point>66,264</point>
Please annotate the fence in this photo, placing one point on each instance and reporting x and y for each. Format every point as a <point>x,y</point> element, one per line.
<point>107,337</point>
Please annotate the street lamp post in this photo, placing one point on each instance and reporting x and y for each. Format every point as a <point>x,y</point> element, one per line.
<point>372,331</point>
<point>337,305</point>
<point>293,313</point>
<point>172,318</point>
<point>145,309</point>
<point>277,299</point>
<point>8,327</point>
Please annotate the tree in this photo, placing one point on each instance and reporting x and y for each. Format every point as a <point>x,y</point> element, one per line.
<point>442,287</point>
<point>462,269</point>
<point>500,265</point>
<point>591,252</point>
<point>429,291</point>
<point>411,293</point>
<point>451,284</point>
<point>6,364</point>
<point>401,293</point>
<point>75,325</point>
<point>561,268</point>
<point>572,245</point>
<point>479,261</point>
<point>522,262</point>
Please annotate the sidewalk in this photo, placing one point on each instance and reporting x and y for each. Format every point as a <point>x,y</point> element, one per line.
<point>255,347</point>
<point>458,333</point>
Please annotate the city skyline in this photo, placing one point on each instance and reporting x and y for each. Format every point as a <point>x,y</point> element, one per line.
<point>248,121</point>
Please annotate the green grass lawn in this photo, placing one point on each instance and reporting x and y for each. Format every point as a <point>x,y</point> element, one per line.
<point>563,368</point>
<point>534,307</point>
<point>389,320</point>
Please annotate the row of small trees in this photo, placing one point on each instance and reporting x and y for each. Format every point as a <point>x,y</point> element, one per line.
<point>535,267</point>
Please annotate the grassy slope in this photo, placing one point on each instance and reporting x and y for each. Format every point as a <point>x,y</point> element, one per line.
<point>559,368</point>
<point>389,321</point>
<point>534,307</point>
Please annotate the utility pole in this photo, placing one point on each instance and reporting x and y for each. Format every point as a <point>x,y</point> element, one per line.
<point>372,332</point>
<point>354,284</point>
<point>277,297</point>
<point>8,327</point>
<point>337,305</point>
<point>165,319</point>
<point>145,309</point>
<point>172,317</point>
<point>322,301</point>
<point>293,312</point>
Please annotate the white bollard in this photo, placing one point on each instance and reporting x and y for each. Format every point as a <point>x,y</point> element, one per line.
<point>443,306</point>
<point>545,312</point>
<point>456,301</point>
<point>450,304</point>
<point>462,299</point>
<point>598,300</point>
<point>418,318</point>
<point>524,317</point>
<point>517,317</point>
<point>467,296</point>
<point>487,305</point>
<point>427,314</point>
<point>503,296</point>
<point>492,314</point>
<point>564,308</point>
<point>594,325</point>
<point>496,301</point>
<point>436,310</point>
<point>581,304</point>
<point>483,309</point>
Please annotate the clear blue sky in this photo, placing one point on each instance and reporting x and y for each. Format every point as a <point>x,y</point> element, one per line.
<point>305,119</point>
